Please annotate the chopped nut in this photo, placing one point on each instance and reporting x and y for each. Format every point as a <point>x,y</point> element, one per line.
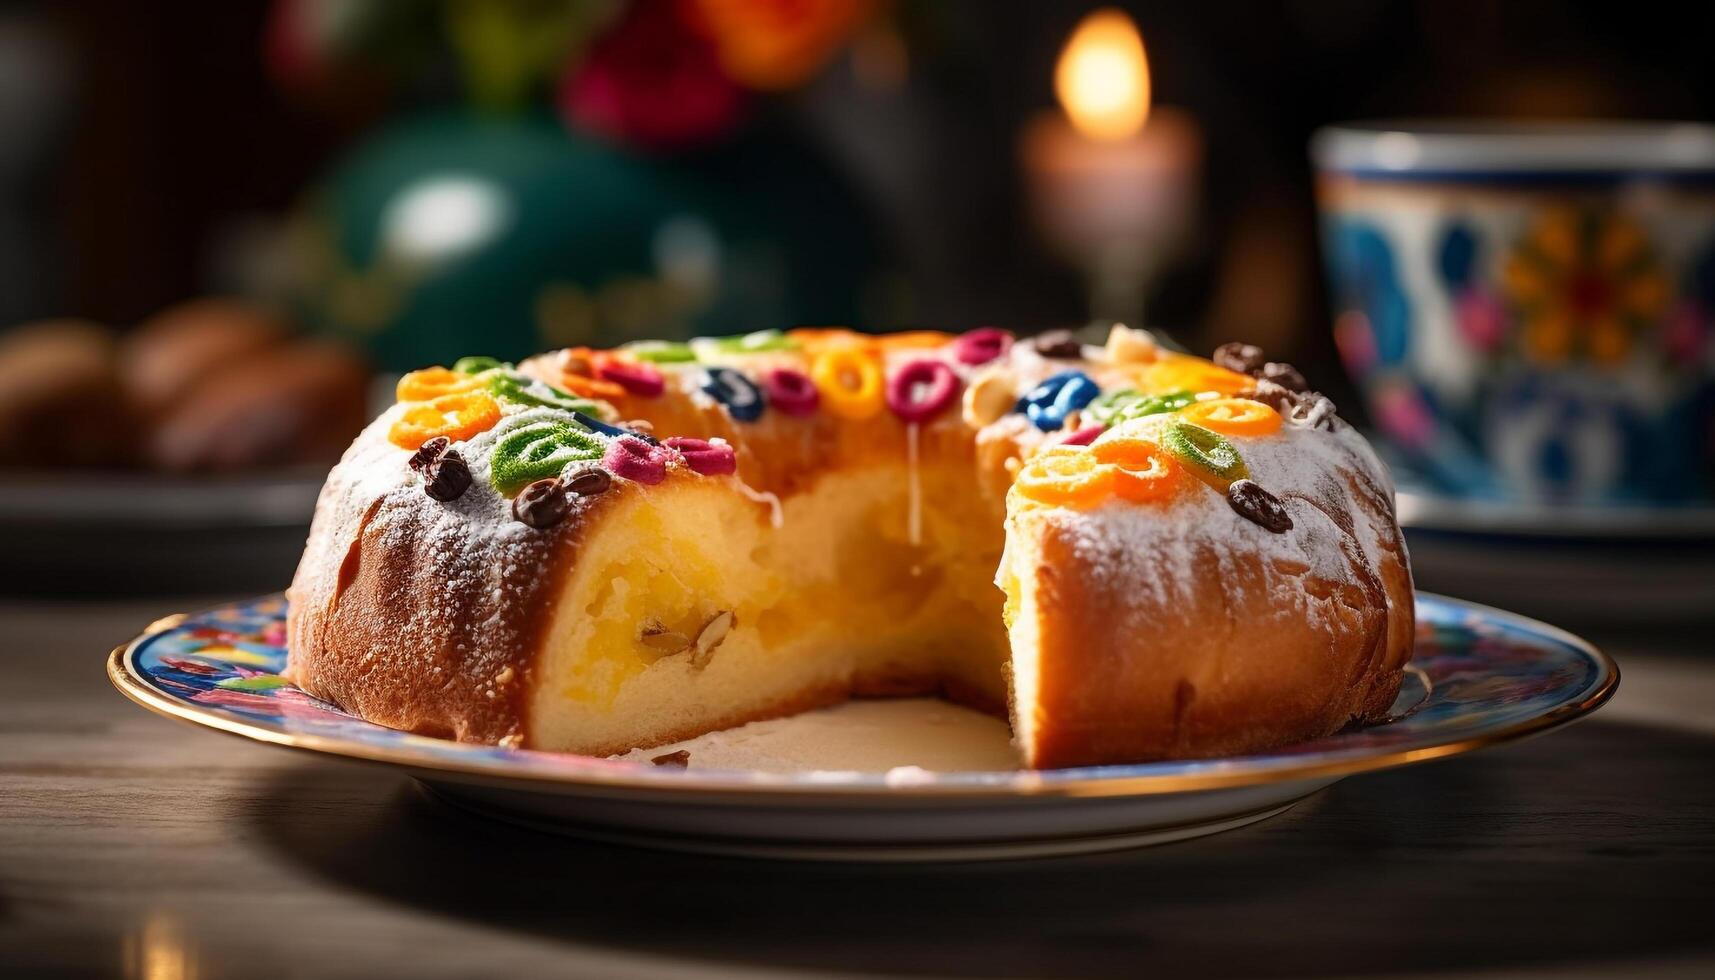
<point>991,394</point>
<point>710,636</point>
<point>680,758</point>
<point>505,676</point>
<point>1284,375</point>
<point>512,741</point>
<point>663,641</point>
<point>1243,358</point>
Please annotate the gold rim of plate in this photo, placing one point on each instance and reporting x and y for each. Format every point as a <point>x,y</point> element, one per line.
<point>617,776</point>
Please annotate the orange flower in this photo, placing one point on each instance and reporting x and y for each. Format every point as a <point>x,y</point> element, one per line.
<point>778,44</point>
<point>1583,282</point>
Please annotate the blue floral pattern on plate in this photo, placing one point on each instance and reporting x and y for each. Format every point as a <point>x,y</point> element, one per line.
<point>1478,676</point>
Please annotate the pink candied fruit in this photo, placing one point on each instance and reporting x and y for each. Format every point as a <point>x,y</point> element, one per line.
<point>702,456</point>
<point>922,389</point>
<point>981,345</point>
<point>638,461</point>
<point>642,380</point>
<point>1084,436</point>
<point>791,391</point>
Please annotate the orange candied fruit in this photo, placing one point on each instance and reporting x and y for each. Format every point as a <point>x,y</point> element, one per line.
<point>597,388</point>
<point>1182,373</point>
<point>1143,471</point>
<point>431,383</point>
<point>1233,416</point>
<point>1067,476</point>
<point>458,416</point>
<point>912,340</point>
<point>578,369</point>
<point>850,381</point>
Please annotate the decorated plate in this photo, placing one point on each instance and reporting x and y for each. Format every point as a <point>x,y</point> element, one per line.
<point>874,781</point>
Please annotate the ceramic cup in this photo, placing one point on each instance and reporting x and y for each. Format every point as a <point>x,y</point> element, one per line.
<point>1528,307</point>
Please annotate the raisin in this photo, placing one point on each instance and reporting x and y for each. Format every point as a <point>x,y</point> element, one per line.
<point>1058,344</point>
<point>1258,506</point>
<point>589,481</point>
<point>542,504</point>
<point>446,478</point>
<point>428,453</point>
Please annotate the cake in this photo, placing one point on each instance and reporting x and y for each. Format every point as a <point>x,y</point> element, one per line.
<point>1132,553</point>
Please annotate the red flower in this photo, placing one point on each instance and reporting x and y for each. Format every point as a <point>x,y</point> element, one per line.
<point>653,80</point>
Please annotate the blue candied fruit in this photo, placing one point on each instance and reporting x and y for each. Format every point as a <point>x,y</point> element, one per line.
<point>1048,404</point>
<point>742,399</point>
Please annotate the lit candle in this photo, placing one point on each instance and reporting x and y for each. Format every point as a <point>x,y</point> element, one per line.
<point>1113,183</point>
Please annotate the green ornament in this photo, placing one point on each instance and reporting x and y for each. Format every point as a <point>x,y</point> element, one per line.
<point>466,230</point>
<point>538,450</point>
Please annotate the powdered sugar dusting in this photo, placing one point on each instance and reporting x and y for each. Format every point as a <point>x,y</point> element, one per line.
<point>1163,550</point>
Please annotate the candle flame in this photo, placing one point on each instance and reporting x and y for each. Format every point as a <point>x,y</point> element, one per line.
<point>1102,77</point>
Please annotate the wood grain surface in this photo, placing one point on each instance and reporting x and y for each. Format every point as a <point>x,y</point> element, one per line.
<point>137,846</point>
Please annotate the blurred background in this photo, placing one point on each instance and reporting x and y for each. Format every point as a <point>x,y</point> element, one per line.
<point>220,221</point>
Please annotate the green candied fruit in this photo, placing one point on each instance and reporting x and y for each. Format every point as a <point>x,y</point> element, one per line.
<point>662,352</point>
<point>477,365</point>
<point>754,343</point>
<point>1209,456</point>
<point>515,389</point>
<point>537,450</point>
<point>1125,404</point>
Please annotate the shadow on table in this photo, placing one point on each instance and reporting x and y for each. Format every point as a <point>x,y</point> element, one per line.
<point>1590,844</point>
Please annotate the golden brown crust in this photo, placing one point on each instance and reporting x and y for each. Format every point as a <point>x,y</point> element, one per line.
<point>405,635</point>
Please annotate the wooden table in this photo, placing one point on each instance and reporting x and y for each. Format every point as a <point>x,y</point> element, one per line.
<point>131,844</point>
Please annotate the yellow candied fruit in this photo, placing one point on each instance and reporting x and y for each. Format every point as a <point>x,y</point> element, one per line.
<point>850,382</point>
<point>457,416</point>
<point>1233,417</point>
<point>431,383</point>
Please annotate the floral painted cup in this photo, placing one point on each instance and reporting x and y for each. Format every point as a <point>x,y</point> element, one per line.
<point>1528,308</point>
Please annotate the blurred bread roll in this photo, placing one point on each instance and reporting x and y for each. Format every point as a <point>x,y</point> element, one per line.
<point>172,351</point>
<point>290,405</point>
<point>61,400</point>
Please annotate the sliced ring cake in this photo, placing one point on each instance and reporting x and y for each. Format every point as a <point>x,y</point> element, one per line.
<point>594,551</point>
